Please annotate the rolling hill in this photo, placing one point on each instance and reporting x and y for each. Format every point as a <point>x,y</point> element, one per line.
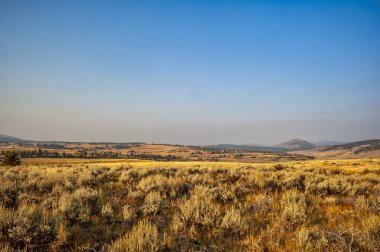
<point>360,149</point>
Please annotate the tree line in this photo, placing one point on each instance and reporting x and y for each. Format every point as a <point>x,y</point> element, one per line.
<point>40,153</point>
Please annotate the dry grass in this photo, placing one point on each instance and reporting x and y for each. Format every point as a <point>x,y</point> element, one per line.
<point>61,205</point>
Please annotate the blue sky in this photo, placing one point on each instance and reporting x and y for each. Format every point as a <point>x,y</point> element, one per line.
<point>190,72</point>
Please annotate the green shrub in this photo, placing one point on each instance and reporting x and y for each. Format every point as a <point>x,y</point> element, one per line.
<point>11,159</point>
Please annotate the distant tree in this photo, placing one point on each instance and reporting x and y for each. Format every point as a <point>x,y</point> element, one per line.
<point>39,154</point>
<point>11,159</point>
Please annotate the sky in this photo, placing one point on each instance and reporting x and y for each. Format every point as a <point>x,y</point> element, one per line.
<point>190,72</point>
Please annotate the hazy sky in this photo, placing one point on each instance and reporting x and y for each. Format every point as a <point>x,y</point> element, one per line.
<point>190,72</point>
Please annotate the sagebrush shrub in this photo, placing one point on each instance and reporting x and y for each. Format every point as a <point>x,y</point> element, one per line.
<point>153,203</point>
<point>294,207</point>
<point>262,203</point>
<point>371,234</point>
<point>233,222</point>
<point>8,193</point>
<point>200,211</point>
<point>107,211</point>
<point>5,247</point>
<point>129,213</point>
<point>362,203</point>
<point>27,228</point>
<point>79,205</point>
<point>143,237</point>
<point>311,239</point>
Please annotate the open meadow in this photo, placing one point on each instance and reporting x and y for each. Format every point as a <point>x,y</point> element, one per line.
<point>130,205</point>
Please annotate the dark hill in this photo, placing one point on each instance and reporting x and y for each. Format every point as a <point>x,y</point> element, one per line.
<point>10,139</point>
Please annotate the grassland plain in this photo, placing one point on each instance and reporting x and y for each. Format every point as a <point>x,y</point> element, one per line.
<point>117,205</point>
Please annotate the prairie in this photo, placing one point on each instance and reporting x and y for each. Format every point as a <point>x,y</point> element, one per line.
<point>130,205</point>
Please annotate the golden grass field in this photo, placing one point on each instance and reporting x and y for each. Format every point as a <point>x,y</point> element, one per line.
<point>130,205</point>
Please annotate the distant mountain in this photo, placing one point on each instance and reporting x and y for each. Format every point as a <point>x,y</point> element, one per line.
<point>360,149</point>
<point>246,148</point>
<point>328,143</point>
<point>10,139</point>
<point>296,144</point>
